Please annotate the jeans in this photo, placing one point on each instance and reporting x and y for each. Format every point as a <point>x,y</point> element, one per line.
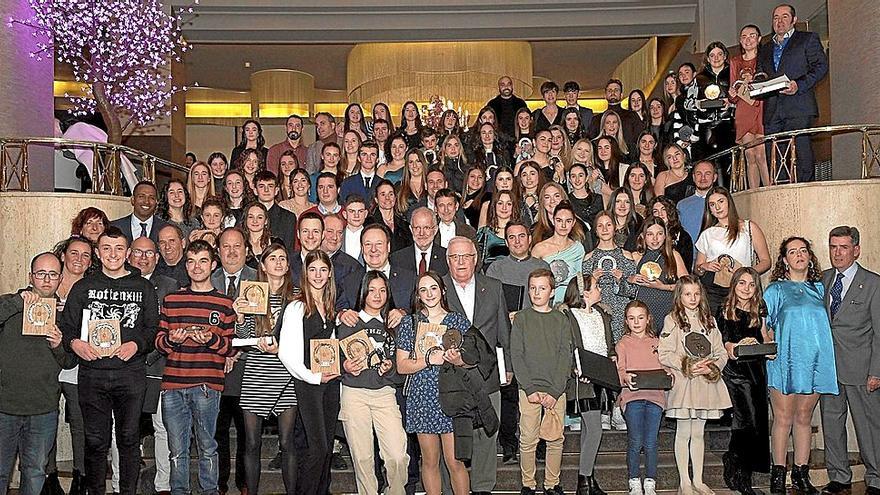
<point>105,395</point>
<point>183,411</point>
<point>643,425</point>
<point>31,438</point>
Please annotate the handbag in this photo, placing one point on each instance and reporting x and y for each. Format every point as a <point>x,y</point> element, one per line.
<point>551,426</point>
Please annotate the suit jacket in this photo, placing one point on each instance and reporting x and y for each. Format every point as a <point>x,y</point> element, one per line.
<point>282,224</point>
<point>586,116</point>
<point>124,224</point>
<point>355,185</point>
<point>406,259</point>
<point>232,386</point>
<point>856,327</point>
<point>343,266</point>
<point>490,317</point>
<point>803,61</point>
<point>401,281</point>
<point>462,229</point>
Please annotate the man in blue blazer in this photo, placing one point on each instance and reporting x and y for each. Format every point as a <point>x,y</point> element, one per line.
<point>364,182</point>
<point>800,56</point>
<point>142,222</point>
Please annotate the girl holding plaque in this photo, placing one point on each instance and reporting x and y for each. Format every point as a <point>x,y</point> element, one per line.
<point>658,266</point>
<point>805,366</point>
<point>420,359</point>
<point>726,243</point>
<point>691,347</point>
<point>267,387</point>
<point>312,315</point>
<point>664,209</point>
<point>741,321</point>
<point>369,400</point>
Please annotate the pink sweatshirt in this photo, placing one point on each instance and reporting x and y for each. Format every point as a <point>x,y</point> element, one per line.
<point>635,354</point>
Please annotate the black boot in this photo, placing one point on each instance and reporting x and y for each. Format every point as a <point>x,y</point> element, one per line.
<point>51,485</point>
<point>777,479</point>
<point>583,487</point>
<point>800,480</point>
<point>730,469</point>
<point>743,482</point>
<point>76,484</point>
<point>595,489</point>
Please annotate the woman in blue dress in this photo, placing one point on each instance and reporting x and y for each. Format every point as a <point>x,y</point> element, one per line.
<point>563,251</point>
<point>423,414</point>
<point>804,366</point>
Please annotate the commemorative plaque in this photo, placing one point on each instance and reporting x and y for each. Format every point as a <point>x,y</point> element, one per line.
<point>39,317</point>
<point>428,336</point>
<point>104,337</point>
<point>325,356</point>
<point>257,296</point>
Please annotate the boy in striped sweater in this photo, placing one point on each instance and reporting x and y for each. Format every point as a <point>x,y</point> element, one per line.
<point>196,325</point>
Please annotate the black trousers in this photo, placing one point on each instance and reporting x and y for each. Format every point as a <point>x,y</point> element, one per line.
<point>230,414</point>
<point>103,395</point>
<point>509,418</point>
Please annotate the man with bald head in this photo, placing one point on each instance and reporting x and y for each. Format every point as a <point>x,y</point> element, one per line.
<point>425,253</point>
<point>465,287</point>
<point>505,105</point>
<point>30,392</point>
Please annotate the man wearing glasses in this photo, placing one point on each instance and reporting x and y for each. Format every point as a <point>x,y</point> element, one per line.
<point>30,392</point>
<point>491,318</point>
<point>113,385</point>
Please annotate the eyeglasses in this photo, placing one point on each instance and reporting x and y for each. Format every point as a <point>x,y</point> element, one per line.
<point>43,275</point>
<point>139,253</point>
<point>458,258</point>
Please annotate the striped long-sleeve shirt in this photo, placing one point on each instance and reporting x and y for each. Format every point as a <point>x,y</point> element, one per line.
<point>189,363</point>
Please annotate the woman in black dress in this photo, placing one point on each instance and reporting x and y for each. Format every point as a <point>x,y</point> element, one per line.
<point>661,207</point>
<point>312,315</point>
<point>741,321</point>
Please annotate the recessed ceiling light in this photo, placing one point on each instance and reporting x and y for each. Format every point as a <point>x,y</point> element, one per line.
<point>247,65</point>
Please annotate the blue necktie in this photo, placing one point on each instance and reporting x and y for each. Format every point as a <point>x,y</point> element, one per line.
<point>836,294</point>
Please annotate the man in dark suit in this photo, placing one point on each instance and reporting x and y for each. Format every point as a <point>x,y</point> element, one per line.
<point>800,56</point>
<point>282,223</point>
<point>343,264</point>
<point>425,253</point>
<point>227,279</point>
<point>629,121</point>
<point>481,299</point>
<point>572,90</point>
<point>852,296</point>
<point>313,231</point>
<point>365,181</point>
<point>142,222</point>
<point>448,205</point>
<point>144,257</point>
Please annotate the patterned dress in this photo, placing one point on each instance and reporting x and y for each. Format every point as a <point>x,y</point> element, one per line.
<point>659,301</point>
<point>615,294</point>
<point>423,413</point>
<point>564,265</point>
<point>266,387</point>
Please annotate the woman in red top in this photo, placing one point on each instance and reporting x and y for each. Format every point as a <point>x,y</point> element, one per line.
<point>749,113</point>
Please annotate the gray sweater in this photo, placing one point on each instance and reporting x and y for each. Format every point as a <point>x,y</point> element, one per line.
<point>512,271</point>
<point>540,348</point>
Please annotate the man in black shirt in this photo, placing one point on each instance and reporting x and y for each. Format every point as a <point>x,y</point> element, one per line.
<point>282,223</point>
<point>505,105</point>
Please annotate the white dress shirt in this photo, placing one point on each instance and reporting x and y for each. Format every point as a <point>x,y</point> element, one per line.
<point>447,232</point>
<point>467,295</point>
<point>419,257</point>
<point>136,226</point>
<point>352,244</point>
<point>848,275</point>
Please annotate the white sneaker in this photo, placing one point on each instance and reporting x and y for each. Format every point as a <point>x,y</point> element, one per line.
<point>635,486</point>
<point>650,486</point>
<point>606,422</point>
<point>617,421</point>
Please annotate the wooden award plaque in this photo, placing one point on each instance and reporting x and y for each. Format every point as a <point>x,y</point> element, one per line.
<point>357,345</point>
<point>104,336</point>
<point>325,356</point>
<point>39,317</point>
<point>257,296</point>
<point>428,335</point>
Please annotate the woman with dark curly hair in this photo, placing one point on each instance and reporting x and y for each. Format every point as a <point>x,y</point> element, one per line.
<point>804,366</point>
<point>90,223</point>
<point>175,206</point>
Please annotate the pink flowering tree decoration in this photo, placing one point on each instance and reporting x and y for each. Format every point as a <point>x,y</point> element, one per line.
<point>121,50</point>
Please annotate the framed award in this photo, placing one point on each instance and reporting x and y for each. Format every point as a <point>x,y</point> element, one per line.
<point>39,317</point>
<point>697,345</point>
<point>651,270</point>
<point>325,355</point>
<point>104,337</point>
<point>357,345</point>
<point>257,296</point>
<point>428,336</point>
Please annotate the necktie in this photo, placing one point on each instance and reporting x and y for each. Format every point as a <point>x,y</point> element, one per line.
<point>143,230</point>
<point>836,294</point>
<point>367,182</point>
<point>230,287</point>
<point>423,265</point>
<point>490,158</point>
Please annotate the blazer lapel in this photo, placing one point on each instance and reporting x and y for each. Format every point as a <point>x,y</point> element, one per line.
<point>452,295</point>
<point>480,297</point>
<point>827,280</point>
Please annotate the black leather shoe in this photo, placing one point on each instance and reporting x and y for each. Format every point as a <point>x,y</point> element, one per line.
<point>800,480</point>
<point>730,469</point>
<point>51,485</point>
<point>837,488</point>
<point>595,489</point>
<point>777,479</point>
<point>556,490</point>
<point>583,487</point>
<point>524,491</point>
